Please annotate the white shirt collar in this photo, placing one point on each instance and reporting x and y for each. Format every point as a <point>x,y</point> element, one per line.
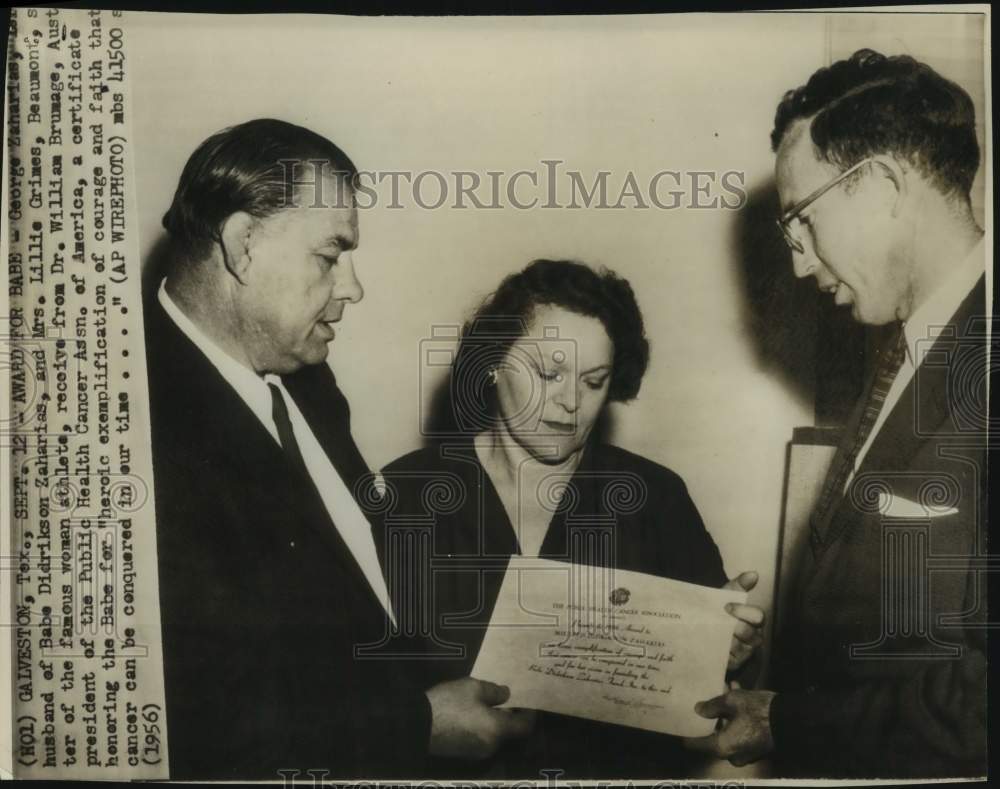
<point>251,387</point>
<point>924,325</point>
<point>344,512</point>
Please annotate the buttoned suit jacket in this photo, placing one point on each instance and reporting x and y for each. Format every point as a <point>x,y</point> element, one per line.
<point>882,668</point>
<point>262,603</point>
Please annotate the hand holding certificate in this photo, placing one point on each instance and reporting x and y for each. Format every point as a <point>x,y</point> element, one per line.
<point>610,645</point>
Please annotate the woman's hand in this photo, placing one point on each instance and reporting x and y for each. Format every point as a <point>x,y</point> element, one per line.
<point>749,632</point>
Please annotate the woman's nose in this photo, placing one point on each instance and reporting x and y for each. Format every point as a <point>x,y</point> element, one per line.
<point>565,394</point>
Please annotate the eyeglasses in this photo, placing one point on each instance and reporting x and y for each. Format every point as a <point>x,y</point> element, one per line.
<point>792,214</point>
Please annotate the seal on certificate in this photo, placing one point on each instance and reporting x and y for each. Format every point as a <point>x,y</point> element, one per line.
<point>619,596</point>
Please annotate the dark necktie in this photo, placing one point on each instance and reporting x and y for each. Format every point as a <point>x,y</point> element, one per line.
<point>279,413</point>
<point>890,359</point>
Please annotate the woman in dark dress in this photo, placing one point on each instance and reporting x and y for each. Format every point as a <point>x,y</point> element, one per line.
<point>524,475</point>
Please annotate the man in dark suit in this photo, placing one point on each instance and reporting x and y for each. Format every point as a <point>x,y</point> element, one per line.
<point>268,572</point>
<point>882,669</point>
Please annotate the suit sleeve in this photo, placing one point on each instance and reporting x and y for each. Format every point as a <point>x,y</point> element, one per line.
<point>929,722</point>
<point>915,704</point>
<point>921,713</point>
<point>294,704</point>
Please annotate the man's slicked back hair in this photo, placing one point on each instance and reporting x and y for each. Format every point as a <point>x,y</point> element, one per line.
<point>257,167</point>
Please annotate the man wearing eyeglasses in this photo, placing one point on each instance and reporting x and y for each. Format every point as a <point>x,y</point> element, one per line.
<point>881,669</point>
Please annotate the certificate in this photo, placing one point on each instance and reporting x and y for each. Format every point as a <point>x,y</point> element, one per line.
<point>609,645</point>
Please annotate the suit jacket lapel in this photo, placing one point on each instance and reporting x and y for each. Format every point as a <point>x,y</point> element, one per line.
<point>202,397</point>
<point>326,410</point>
<point>931,397</point>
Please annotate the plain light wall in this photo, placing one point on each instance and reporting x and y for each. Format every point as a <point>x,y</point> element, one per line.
<point>690,92</point>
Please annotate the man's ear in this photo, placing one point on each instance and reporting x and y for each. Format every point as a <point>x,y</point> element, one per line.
<point>235,242</point>
<point>894,173</point>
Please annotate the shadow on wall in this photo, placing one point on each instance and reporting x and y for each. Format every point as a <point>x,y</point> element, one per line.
<point>813,346</point>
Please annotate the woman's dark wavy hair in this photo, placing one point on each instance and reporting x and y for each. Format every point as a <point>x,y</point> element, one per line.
<point>504,317</point>
<point>257,167</point>
<point>871,104</point>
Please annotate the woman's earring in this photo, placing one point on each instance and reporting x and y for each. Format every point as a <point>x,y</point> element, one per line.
<point>493,376</point>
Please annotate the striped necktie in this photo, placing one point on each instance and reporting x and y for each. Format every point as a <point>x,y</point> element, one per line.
<point>890,360</point>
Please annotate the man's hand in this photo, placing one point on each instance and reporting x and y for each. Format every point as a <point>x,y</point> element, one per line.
<point>464,723</point>
<point>749,632</point>
<point>744,732</point>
